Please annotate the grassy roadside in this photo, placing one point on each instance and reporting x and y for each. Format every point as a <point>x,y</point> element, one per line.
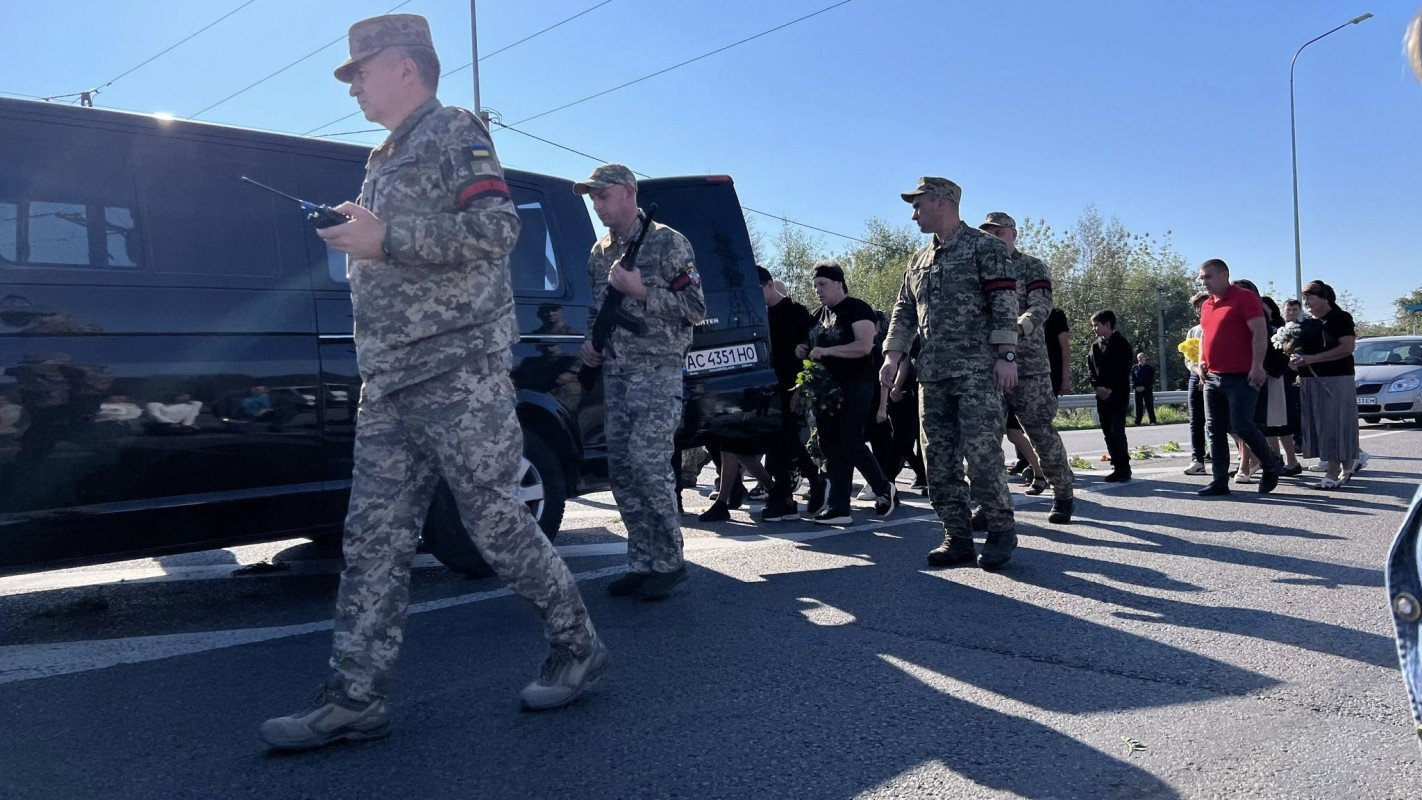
<point>1076,419</point>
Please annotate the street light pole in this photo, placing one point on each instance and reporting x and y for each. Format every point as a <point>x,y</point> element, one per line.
<point>474,47</point>
<point>1294,142</point>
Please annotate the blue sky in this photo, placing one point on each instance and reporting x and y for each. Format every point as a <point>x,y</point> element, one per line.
<point>1171,116</point>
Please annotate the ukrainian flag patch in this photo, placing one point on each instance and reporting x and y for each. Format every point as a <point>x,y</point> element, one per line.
<point>480,151</point>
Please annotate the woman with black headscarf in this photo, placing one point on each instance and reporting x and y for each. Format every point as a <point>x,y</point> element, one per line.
<point>1323,358</point>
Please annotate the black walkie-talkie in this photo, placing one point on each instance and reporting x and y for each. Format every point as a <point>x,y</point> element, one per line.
<point>318,215</point>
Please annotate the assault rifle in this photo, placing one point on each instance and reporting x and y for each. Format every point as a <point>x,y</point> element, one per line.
<point>612,315</point>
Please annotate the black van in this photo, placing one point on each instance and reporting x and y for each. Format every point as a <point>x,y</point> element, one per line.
<point>177,365</point>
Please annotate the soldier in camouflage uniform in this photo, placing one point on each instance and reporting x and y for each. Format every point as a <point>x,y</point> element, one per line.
<point>1033,399</point>
<point>642,376</point>
<point>428,246</point>
<point>960,294</point>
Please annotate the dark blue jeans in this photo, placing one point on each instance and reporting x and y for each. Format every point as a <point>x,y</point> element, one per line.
<point>1404,588</point>
<point>1196,406</point>
<point>1230,403</point>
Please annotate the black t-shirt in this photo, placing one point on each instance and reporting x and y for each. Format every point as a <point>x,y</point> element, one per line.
<point>790,324</point>
<point>1055,327</point>
<point>1318,335</point>
<point>834,326</point>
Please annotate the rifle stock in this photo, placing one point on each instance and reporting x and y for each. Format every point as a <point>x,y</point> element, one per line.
<point>612,315</point>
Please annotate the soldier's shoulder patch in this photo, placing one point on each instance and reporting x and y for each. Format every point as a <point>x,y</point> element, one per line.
<point>688,277</point>
<point>480,150</point>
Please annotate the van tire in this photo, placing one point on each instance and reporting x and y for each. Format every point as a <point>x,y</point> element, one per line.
<point>542,486</point>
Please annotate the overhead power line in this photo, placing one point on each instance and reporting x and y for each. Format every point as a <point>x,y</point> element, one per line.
<point>684,63</point>
<point>467,66</point>
<point>323,47</point>
<point>150,60</point>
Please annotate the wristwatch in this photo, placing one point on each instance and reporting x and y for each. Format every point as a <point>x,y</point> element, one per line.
<point>1010,356</point>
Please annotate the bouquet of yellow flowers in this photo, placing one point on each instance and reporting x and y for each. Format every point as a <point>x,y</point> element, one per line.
<point>1190,348</point>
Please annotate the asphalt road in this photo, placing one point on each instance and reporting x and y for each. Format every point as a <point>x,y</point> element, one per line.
<point>1242,644</point>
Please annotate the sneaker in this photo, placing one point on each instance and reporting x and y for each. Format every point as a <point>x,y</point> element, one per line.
<point>953,552</point>
<point>628,584</point>
<point>1062,508</point>
<point>828,517</point>
<point>759,494</point>
<point>997,550</point>
<point>1195,468</point>
<point>867,493</point>
<point>564,677</point>
<point>919,484</point>
<point>1321,466</point>
<point>1267,481</point>
<point>1118,476</point>
<point>776,510</point>
<point>714,496</point>
<point>331,716</point>
<point>884,503</point>
<point>661,585</point>
<point>819,490</point>
<point>1362,461</point>
<point>978,522</point>
<point>1215,489</point>
<point>716,513</point>
<point>1243,478</point>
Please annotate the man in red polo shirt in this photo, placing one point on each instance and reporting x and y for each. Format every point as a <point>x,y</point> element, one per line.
<point>1235,336</point>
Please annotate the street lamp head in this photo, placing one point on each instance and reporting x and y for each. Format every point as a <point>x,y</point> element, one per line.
<point>1356,20</point>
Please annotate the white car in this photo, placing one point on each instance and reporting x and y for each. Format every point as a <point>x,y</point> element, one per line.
<point>1389,378</point>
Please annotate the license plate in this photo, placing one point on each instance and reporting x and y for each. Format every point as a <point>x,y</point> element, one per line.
<point>719,358</point>
<point>1367,401</point>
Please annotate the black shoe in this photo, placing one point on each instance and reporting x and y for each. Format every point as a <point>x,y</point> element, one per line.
<point>661,585</point>
<point>1029,476</point>
<point>952,553</point>
<point>1214,490</point>
<point>1016,469</point>
<point>997,550</point>
<point>979,520</point>
<point>776,510</point>
<point>628,584</point>
<point>828,517</point>
<point>1296,469</point>
<point>919,484</point>
<point>718,512</point>
<point>1038,486</point>
<point>714,496</point>
<point>884,503</point>
<point>759,494</point>
<point>1118,476</point>
<point>1061,512</point>
<point>816,502</point>
<point>1267,481</point>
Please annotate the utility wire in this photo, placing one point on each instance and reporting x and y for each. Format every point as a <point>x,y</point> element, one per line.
<point>190,36</point>
<point>684,63</point>
<point>323,47</point>
<point>466,66</point>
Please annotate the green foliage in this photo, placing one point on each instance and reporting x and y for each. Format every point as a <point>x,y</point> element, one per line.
<point>875,271</point>
<point>795,255</point>
<point>818,391</point>
<point>1171,447</point>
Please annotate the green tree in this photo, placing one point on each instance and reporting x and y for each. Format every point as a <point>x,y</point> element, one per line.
<point>1409,322</point>
<point>874,268</point>
<point>795,255</point>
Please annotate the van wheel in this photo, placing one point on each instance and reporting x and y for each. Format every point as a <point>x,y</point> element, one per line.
<point>542,487</point>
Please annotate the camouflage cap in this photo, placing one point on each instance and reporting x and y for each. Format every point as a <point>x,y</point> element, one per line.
<point>370,36</point>
<point>999,219</point>
<point>941,187</point>
<point>604,176</point>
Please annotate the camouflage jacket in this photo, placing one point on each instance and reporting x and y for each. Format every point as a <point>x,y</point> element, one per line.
<point>674,302</point>
<point>442,292</point>
<point>1034,291</point>
<point>960,295</point>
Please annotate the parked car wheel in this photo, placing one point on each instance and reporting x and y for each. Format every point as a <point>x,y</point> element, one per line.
<point>542,487</point>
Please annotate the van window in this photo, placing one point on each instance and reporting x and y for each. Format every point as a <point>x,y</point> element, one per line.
<point>533,265</point>
<point>69,207</point>
<point>181,194</point>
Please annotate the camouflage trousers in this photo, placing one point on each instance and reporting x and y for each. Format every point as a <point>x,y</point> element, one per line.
<point>964,420</point>
<point>643,411</point>
<point>1036,407</point>
<point>459,426</point>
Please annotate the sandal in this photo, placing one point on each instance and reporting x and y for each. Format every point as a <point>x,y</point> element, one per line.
<point>1326,484</point>
<point>1038,486</point>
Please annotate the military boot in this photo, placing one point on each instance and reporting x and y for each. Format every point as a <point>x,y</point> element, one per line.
<point>955,550</point>
<point>979,520</point>
<point>997,550</point>
<point>1062,508</point>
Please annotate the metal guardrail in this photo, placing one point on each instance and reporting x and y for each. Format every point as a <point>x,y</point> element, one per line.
<point>1089,400</point>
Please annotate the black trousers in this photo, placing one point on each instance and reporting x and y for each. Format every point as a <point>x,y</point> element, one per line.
<point>841,433</point>
<point>788,452</point>
<point>1145,403</point>
<point>895,441</point>
<point>1112,412</point>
